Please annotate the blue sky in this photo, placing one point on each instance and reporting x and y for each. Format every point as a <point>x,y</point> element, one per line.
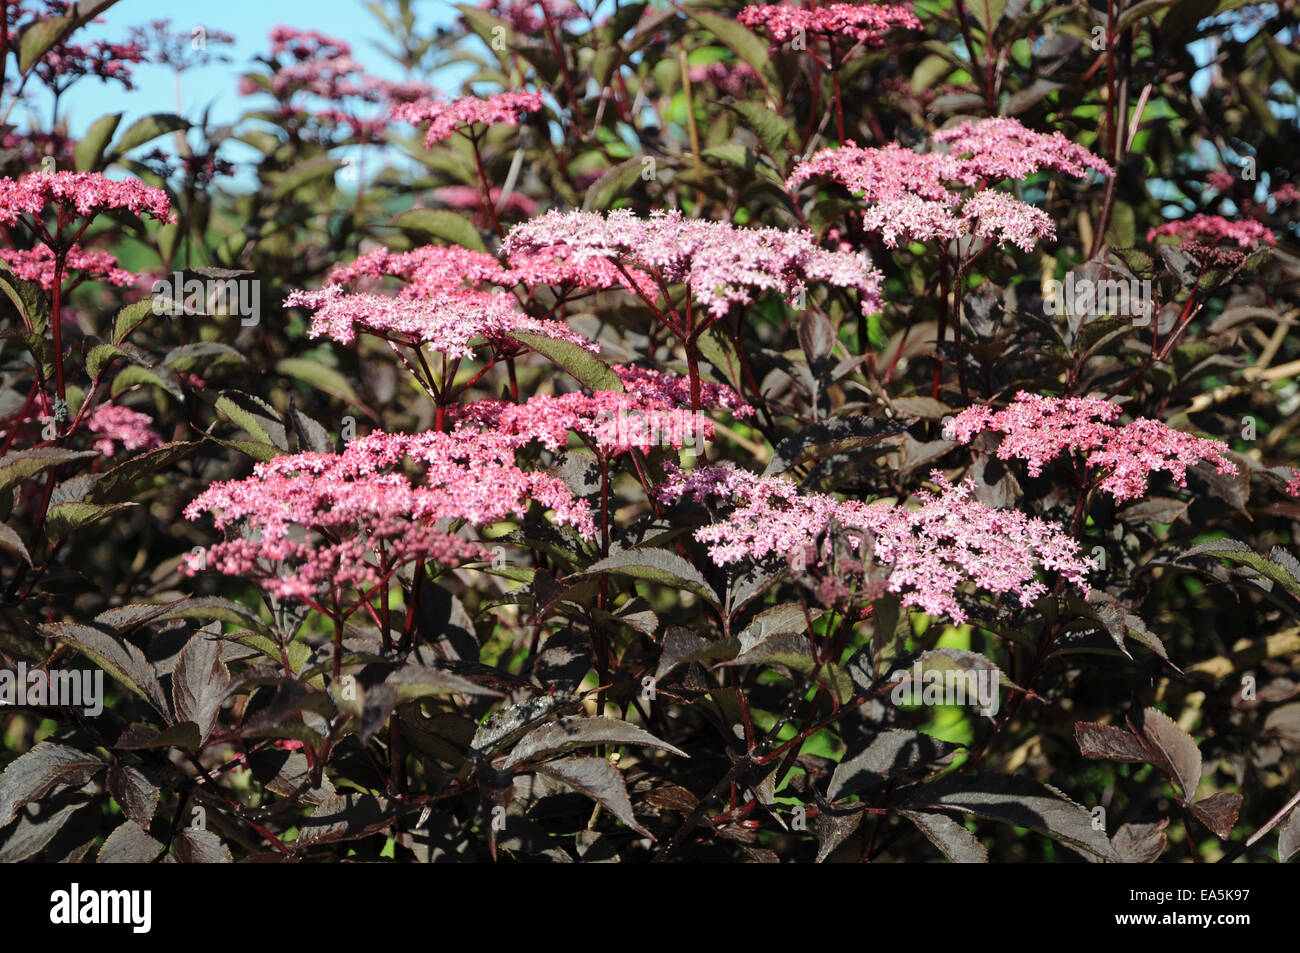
<point>249,21</point>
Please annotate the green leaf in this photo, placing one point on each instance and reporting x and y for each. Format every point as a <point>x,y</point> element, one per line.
<point>987,14</point>
<point>254,416</point>
<point>656,565</point>
<point>443,224</point>
<point>304,173</point>
<point>737,38</point>
<point>64,518</point>
<point>130,318</point>
<point>145,130</point>
<point>578,361</point>
<point>37,39</point>
<point>744,158</point>
<point>88,152</point>
<point>27,296</point>
<point>320,376</point>
<point>613,185</point>
<point>772,129</point>
<point>100,356</point>
<point>135,374</point>
<point>1279,565</point>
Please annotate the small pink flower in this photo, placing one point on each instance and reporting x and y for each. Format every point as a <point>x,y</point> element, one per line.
<point>864,23</point>
<point>88,193</point>
<point>38,265</point>
<point>721,264</point>
<point>1213,229</point>
<point>1038,429</point>
<point>932,550</point>
<point>312,524</point>
<point>121,425</point>
<point>444,118</point>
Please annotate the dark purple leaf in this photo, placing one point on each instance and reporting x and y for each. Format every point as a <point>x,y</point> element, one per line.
<point>32,775</point>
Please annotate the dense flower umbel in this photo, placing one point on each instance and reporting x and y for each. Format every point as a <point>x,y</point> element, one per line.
<point>438,269</point>
<point>914,196</point>
<point>1215,229</point>
<point>863,23</point>
<point>122,425</point>
<point>316,522</point>
<point>37,265</point>
<point>1039,429</point>
<point>651,412</point>
<point>445,117</point>
<point>453,322</point>
<point>721,265</point>
<point>86,192</point>
<point>951,538</point>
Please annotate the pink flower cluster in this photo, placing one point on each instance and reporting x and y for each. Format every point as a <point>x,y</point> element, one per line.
<point>1038,429</point>
<point>932,550</point>
<point>317,522</point>
<point>453,322</point>
<point>445,117</point>
<point>1214,229</point>
<point>721,265</point>
<point>1002,148</point>
<point>1286,193</point>
<point>735,79</point>
<point>918,196</point>
<point>122,425</point>
<point>863,23</point>
<point>526,16</point>
<point>37,265</point>
<point>87,192</point>
<point>648,414</point>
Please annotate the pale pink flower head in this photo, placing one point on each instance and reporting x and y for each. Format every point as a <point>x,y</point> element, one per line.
<point>319,523</point>
<point>931,550</point>
<point>454,322</point>
<point>915,196</point>
<point>87,193</point>
<point>530,16</point>
<point>1003,148</point>
<point>721,264</point>
<point>1038,429</point>
<point>37,265</point>
<point>117,425</point>
<point>652,411</point>
<point>445,118</point>
<point>1003,219</point>
<point>864,23</point>
<point>1215,229</point>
